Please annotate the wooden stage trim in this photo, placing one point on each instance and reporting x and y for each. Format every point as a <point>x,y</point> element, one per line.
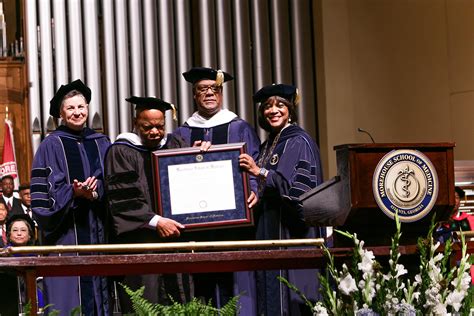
<point>194,262</point>
<point>197,262</point>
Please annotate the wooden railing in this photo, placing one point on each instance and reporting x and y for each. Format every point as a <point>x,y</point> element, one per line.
<point>191,261</point>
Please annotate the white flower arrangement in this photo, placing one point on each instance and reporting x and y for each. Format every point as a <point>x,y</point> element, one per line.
<point>363,289</point>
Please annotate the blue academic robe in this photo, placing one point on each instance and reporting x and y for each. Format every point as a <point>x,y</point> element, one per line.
<point>294,167</point>
<point>63,156</point>
<point>234,131</point>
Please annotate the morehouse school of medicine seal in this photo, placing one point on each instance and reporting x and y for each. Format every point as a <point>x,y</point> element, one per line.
<point>406,182</point>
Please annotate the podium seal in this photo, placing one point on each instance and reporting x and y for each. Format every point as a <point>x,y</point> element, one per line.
<point>406,182</point>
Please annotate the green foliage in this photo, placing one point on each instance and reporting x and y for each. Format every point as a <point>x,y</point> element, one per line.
<point>140,305</point>
<point>53,312</point>
<point>195,307</point>
<point>27,308</point>
<point>361,287</point>
<point>76,311</point>
<point>296,290</point>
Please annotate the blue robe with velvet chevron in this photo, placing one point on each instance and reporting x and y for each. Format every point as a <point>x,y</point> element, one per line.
<point>235,131</point>
<point>63,156</point>
<point>294,168</point>
<point>220,287</point>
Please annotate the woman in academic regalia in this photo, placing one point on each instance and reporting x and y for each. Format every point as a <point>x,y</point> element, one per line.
<point>67,196</point>
<point>288,165</point>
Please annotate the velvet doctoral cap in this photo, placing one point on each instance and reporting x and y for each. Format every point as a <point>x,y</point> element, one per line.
<point>460,192</point>
<point>196,74</point>
<point>284,91</point>
<point>148,103</point>
<point>55,103</point>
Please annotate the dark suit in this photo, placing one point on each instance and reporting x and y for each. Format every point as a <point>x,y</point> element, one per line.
<point>16,207</point>
<point>2,243</point>
<point>8,290</point>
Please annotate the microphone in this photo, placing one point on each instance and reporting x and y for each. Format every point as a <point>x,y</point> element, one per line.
<point>364,131</point>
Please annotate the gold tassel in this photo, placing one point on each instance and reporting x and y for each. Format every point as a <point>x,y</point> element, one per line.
<point>173,108</point>
<point>219,78</point>
<point>297,97</point>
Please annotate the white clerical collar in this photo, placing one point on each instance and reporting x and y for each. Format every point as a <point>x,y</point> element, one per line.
<point>222,117</point>
<point>135,139</point>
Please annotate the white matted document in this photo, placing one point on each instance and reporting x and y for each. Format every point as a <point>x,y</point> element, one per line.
<point>209,186</point>
<point>202,189</point>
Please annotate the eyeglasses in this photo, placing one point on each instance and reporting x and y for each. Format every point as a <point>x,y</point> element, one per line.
<point>203,89</point>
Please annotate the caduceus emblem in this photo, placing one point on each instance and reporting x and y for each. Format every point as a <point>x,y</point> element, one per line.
<point>404,177</point>
<point>404,182</point>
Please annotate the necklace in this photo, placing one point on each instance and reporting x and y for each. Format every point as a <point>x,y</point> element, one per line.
<point>264,158</point>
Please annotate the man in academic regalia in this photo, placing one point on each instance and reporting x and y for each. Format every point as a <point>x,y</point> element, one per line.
<point>67,192</point>
<point>129,186</point>
<point>219,126</point>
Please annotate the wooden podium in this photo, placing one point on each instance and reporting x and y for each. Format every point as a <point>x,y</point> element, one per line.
<point>347,201</point>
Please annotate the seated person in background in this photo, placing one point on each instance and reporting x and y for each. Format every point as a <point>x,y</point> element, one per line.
<point>461,220</point>
<point>13,204</point>
<point>3,224</point>
<point>25,197</point>
<point>20,232</point>
<point>458,221</point>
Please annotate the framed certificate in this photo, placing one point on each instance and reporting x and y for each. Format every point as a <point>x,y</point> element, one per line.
<point>202,190</point>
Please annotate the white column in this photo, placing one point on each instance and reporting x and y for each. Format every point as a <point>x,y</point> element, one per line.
<point>151,48</point>
<point>110,69</point>
<point>59,43</point>
<point>76,40</point>
<point>93,63</point>
<point>167,61</point>
<point>31,41</point>
<point>123,65</point>
<point>183,61</point>
<point>136,47</point>
<point>47,76</point>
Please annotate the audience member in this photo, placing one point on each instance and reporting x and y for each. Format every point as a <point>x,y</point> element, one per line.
<point>25,197</point>
<point>20,232</point>
<point>13,204</point>
<point>3,224</point>
<point>457,221</point>
<point>460,220</point>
